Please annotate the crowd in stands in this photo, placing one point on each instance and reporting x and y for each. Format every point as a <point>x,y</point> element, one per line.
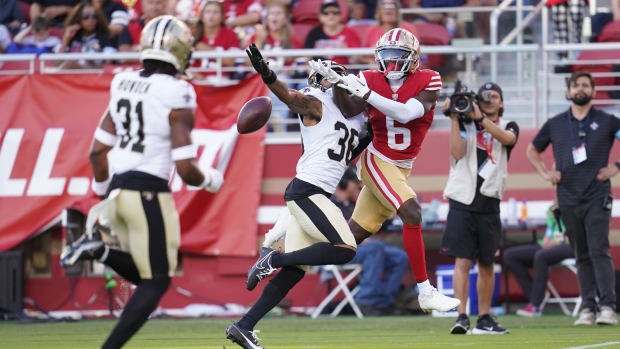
<point>44,26</point>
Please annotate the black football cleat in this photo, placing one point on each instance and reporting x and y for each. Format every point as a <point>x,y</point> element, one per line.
<point>461,326</point>
<point>82,249</point>
<point>244,338</point>
<point>261,269</point>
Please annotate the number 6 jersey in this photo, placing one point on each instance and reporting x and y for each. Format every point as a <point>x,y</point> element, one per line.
<point>395,142</point>
<point>140,108</point>
<point>328,145</point>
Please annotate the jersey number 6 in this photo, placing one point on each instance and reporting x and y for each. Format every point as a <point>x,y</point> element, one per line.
<point>393,130</point>
<point>138,145</point>
<point>346,143</point>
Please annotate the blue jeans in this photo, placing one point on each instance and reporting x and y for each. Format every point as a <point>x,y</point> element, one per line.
<point>383,267</point>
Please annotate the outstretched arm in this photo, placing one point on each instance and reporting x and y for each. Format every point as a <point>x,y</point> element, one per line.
<point>295,100</point>
<point>349,105</point>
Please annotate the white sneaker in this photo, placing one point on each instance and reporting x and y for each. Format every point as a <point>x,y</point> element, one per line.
<point>434,300</point>
<point>586,318</point>
<point>607,316</point>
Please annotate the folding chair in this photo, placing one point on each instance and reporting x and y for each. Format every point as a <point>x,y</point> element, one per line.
<point>554,297</point>
<point>353,271</point>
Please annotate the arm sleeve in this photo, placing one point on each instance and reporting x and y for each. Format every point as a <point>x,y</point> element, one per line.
<point>401,112</point>
<point>543,138</point>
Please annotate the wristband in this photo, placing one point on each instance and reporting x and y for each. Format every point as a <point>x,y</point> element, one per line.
<point>206,182</point>
<point>101,188</point>
<point>105,137</point>
<point>271,78</point>
<point>482,119</point>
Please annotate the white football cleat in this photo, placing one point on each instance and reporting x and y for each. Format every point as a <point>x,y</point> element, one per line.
<point>434,300</point>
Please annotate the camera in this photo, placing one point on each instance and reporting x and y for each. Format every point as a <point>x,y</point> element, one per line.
<point>462,100</point>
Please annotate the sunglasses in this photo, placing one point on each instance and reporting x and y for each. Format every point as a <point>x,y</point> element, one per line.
<point>89,16</point>
<point>327,13</point>
<point>388,4</point>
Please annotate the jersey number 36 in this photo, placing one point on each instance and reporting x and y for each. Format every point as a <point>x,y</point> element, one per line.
<point>347,143</point>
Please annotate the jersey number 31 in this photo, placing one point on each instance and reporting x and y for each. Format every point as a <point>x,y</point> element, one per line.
<point>138,145</point>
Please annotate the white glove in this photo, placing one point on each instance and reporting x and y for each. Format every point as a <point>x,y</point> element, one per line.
<point>213,180</point>
<point>353,84</point>
<point>325,69</point>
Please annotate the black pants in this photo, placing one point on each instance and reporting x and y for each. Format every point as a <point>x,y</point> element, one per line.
<point>587,226</point>
<point>519,258</point>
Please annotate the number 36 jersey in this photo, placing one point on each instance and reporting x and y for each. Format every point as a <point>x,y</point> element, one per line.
<point>328,145</point>
<point>140,108</point>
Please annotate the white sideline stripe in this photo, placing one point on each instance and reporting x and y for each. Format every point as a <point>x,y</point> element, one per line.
<point>594,345</point>
<point>537,210</point>
<point>382,186</point>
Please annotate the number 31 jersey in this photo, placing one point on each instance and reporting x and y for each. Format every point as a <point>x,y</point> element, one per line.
<point>140,108</point>
<point>393,141</point>
<point>328,145</point>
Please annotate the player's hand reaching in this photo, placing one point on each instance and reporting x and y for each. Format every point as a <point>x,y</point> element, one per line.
<point>353,84</point>
<point>325,69</point>
<point>260,65</point>
<point>216,179</point>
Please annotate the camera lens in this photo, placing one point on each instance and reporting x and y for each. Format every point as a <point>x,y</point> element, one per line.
<point>461,104</point>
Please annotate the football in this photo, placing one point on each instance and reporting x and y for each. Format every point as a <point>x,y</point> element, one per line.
<point>254,115</point>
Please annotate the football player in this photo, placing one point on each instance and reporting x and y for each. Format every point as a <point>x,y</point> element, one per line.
<point>144,133</point>
<point>317,232</point>
<point>400,99</point>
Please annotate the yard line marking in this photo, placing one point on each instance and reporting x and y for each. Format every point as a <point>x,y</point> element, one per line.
<point>594,345</point>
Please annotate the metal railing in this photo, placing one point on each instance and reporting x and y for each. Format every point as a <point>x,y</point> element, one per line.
<point>535,98</point>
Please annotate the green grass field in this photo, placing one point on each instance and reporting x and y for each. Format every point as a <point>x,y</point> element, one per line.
<point>551,331</point>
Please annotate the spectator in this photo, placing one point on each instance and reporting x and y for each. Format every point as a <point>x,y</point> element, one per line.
<point>347,192</point>
<point>550,250</point>
<point>332,33</point>
<point>600,20</point>
<point>11,15</point>
<point>480,147</point>
<point>86,30</point>
<point>241,16</point>
<point>564,33</point>
<point>5,38</point>
<point>362,11</point>
<point>582,138</point>
<point>116,14</point>
<point>214,36</point>
<point>54,10</point>
<point>35,38</point>
<point>383,268</point>
<point>276,33</point>
<point>129,39</point>
<point>387,18</point>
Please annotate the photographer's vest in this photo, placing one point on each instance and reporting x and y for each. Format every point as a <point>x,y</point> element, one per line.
<point>463,177</point>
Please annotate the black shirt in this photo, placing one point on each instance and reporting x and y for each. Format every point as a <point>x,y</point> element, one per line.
<point>481,203</point>
<point>598,130</point>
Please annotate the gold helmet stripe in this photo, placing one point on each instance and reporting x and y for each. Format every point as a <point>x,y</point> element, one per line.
<point>158,38</point>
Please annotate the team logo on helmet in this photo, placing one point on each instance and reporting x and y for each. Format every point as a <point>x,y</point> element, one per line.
<point>314,78</point>
<point>398,53</point>
<point>167,39</point>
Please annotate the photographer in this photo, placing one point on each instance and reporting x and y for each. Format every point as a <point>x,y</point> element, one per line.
<point>480,145</point>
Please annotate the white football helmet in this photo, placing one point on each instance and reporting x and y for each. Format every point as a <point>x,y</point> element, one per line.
<point>398,53</point>
<point>167,39</point>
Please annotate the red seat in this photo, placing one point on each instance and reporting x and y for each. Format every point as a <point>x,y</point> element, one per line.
<point>300,30</point>
<point>599,68</point>
<point>610,33</point>
<point>15,65</point>
<point>25,7</point>
<point>307,12</point>
<point>432,34</point>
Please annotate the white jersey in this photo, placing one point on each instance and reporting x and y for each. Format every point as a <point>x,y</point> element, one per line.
<point>140,108</point>
<point>328,145</point>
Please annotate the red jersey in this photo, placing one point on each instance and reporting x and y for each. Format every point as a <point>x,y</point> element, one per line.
<point>224,40</point>
<point>395,140</point>
<point>234,9</point>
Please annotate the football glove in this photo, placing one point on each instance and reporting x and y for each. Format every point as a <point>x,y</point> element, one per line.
<point>325,70</point>
<point>353,84</point>
<point>213,180</point>
<point>260,65</point>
